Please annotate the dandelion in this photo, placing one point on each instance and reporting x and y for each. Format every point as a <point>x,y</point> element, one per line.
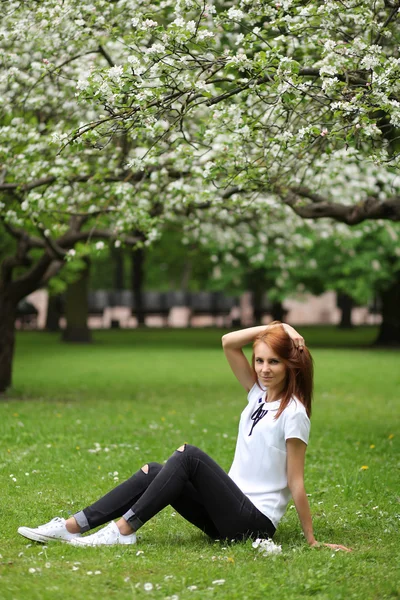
<point>148,587</point>
<point>364,468</point>
<point>372,446</point>
<point>391,436</point>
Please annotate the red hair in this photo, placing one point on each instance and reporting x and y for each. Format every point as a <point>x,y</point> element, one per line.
<point>299,366</point>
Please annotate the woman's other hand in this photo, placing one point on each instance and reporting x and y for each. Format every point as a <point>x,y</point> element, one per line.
<point>335,547</point>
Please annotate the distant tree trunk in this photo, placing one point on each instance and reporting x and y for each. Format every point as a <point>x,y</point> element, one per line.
<point>118,260</point>
<point>257,305</point>
<point>277,311</point>
<point>54,312</point>
<point>8,310</point>
<point>389,331</point>
<point>346,304</point>
<point>76,310</point>
<point>137,279</point>
<point>186,273</point>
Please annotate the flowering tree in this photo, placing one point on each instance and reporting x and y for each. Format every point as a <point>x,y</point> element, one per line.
<point>119,116</point>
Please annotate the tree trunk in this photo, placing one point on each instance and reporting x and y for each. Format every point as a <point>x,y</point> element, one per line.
<point>137,279</point>
<point>389,332</point>
<point>118,260</point>
<point>54,312</point>
<point>76,310</point>
<point>257,305</point>
<point>278,312</point>
<point>8,309</point>
<point>345,303</point>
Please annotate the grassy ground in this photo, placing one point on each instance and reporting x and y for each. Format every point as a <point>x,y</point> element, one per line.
<point>137,396</point>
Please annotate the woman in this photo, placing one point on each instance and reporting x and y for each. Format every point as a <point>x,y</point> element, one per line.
<point>267,469</point>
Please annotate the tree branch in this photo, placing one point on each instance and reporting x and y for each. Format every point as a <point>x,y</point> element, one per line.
<point>370,208</point>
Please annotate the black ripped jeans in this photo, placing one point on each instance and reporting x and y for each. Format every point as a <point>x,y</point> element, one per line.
<point>195,486</point>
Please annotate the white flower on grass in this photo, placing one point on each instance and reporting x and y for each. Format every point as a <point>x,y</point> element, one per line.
<point>99,245</point>
<point>97,572</point>
<point>148,587</point>
<point>139,552</point>
<point>32,570</point>
<point>71,252</point>
<point>267,547</point>
<point>218,581</point>
<point>192,588</point>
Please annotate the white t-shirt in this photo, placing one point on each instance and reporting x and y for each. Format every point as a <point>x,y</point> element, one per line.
<point>259,465</point>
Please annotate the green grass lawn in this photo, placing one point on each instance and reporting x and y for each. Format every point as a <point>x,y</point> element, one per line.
<point>137,396</point>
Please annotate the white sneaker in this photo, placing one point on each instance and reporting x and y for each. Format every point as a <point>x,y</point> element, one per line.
<point>108,536</point>
<point>53,530</point>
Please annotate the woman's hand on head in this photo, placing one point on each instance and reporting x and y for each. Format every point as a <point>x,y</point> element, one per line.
<point>335,547</point>
<point>297,339</point>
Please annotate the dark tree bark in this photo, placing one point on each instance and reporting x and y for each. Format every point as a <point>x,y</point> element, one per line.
<point>257,305</point>
<point>277,311</point>
<point>76,309</point>
<point>54,313</point>
<point>137,280</point>
<point>389,331</point>
<point>119,275</point>
<point>8,309</point>
<point>346,304</point>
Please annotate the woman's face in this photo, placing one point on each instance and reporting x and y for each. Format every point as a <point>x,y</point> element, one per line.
<point>270,369</point>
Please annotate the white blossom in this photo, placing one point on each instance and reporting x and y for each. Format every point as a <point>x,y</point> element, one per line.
<point>235,13</point>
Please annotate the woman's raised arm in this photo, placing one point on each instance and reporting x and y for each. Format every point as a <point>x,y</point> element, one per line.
<point>234,342</point>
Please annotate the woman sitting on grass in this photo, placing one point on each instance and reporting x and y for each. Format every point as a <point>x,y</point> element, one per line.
<point>267,469</point>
